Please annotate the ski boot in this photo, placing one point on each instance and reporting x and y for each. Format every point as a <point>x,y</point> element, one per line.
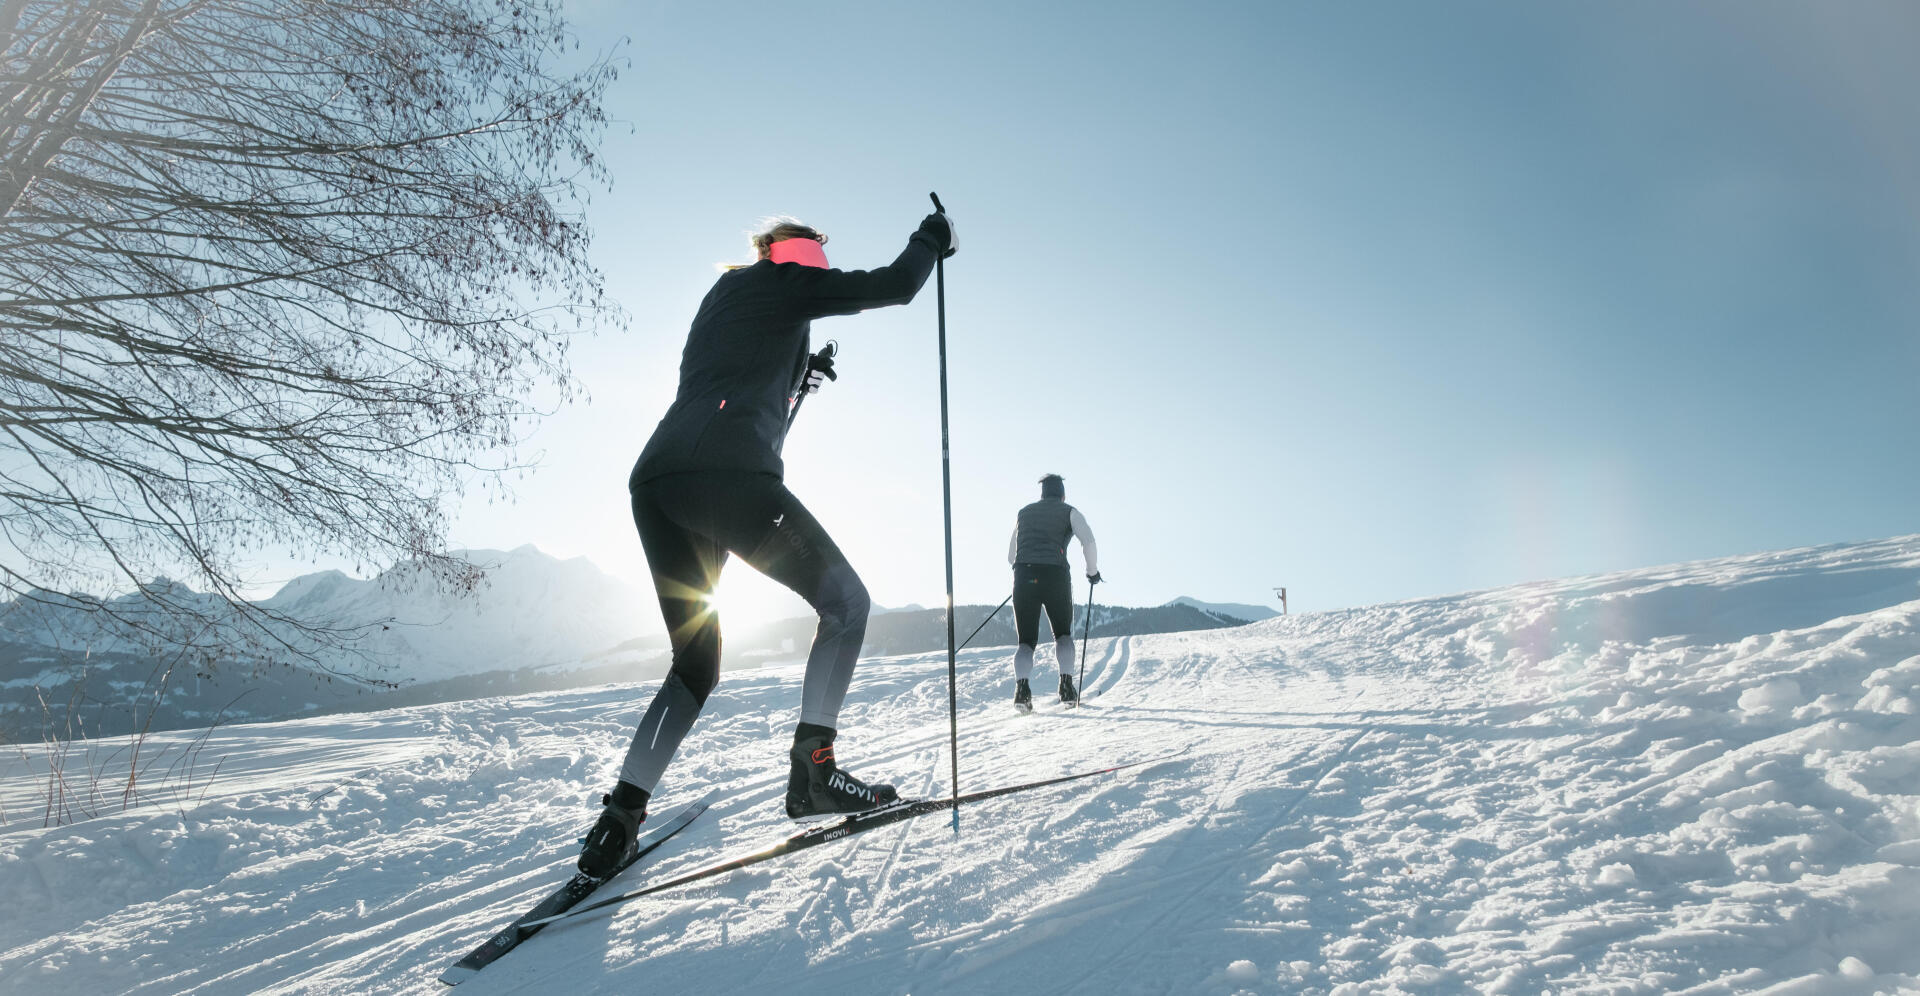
<point>1022,695</point>
<point>610,844</point>
<point>817,787</point>
<point>1067,695</point>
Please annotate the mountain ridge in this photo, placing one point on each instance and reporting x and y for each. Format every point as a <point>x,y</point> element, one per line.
<point>537,622</point>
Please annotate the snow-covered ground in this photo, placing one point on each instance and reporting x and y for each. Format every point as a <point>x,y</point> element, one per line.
<point>1702,778</point>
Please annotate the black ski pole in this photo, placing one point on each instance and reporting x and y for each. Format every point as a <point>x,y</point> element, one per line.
<point>826,353</point>
<point>984,622</point>
<point>1086,634</point>
<point>946,497</point>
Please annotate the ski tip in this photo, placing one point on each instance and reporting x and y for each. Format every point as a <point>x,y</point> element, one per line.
<point>457,974</point>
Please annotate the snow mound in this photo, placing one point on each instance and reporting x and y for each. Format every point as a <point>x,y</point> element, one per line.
<point>1700,778</point>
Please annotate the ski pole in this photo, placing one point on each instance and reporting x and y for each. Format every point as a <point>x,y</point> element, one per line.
<point>1086,633</point>
<point>984,622</point>
<point>946,497</point>
<point>826,353</point>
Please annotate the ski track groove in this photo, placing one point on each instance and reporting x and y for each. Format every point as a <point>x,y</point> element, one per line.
<point>1645,788</point>
<point>1111,668</point>
<point>964,946</point>
<point>879,966</point>
<point>1119,951</point>
<point>883,882</point>
<point>1119,655</point>
<point>1098,669</point>
<point>759,791</point>
<point>864,844</point>
<point>1028,928</point>
<point>398,929</point>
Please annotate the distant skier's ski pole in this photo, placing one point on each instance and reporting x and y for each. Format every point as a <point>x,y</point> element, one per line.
<point>946,498</point>
<point>984,622</point>
<point>1086,634</point>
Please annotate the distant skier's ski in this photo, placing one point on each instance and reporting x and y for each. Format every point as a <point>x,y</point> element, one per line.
<point>826,833</point>
<point>564,899</point>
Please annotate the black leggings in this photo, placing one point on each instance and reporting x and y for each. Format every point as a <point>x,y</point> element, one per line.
<point>688,525</point>
<point>1037,585</point>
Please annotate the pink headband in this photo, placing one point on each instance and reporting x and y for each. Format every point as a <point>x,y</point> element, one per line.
<point>806,252</point>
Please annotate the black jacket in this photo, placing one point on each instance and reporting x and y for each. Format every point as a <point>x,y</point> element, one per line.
<point>746,357</point>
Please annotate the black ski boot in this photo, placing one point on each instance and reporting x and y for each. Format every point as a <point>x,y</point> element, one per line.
<point>1022,695</point>
<point>817,787</point>
<point>1067,695</point>
<point>610,843</point>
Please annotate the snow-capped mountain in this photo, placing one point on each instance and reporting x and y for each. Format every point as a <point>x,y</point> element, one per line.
<point>68,671</point>
<point>531,610</point>
<point>127,624</point>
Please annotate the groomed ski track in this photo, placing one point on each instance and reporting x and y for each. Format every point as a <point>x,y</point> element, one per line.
<point>1702,778</point>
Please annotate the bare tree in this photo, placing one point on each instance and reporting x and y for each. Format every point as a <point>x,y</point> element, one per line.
<point>276,275</point>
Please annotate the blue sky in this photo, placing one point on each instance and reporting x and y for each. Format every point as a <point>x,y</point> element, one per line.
<point>1374,301</point>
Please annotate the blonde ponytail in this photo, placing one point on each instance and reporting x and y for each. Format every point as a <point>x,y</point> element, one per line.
<point>776,229</point>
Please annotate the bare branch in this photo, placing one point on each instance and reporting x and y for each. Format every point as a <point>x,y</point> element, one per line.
<point>276,276</point>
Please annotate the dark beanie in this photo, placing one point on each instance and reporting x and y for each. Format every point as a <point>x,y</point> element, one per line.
<point>1053,486</point>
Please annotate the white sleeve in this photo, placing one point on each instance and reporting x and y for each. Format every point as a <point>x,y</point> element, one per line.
<point>1013,543</point>
<point>1085,535</point>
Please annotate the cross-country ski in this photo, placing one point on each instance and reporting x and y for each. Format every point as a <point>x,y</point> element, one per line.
<point>827,833</point>
<point>577,888</point>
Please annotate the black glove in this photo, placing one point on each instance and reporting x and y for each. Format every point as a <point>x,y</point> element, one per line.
<point>819,368</point>
<point>1093,578</point>
<point>938,229</point>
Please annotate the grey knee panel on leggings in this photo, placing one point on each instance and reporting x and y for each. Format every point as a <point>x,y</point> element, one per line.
<point>843,605</point>
<point>1023,661</point>
<point>666,724</point>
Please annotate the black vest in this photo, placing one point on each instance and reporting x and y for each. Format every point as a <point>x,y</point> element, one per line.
<point>1045,527</point>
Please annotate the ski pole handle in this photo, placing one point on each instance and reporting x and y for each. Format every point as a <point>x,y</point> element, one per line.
<point>937,206</point>
<point>826,352</point>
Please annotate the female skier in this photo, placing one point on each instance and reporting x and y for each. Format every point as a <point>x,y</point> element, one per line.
<point>709,484</point>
